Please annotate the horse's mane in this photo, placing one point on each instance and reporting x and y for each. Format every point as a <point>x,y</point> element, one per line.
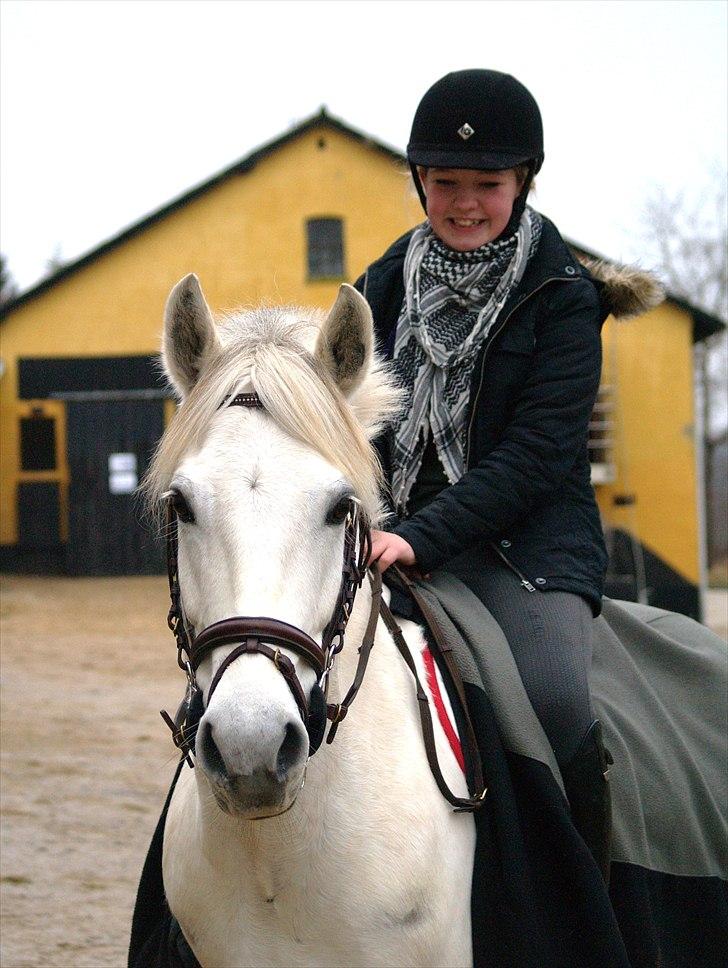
<point>266,349</point>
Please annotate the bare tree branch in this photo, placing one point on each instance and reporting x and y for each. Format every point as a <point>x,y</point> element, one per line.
<point>8,288</point>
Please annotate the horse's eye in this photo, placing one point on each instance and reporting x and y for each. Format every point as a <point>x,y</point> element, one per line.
<point>182,508</point>
<point>338,512</point>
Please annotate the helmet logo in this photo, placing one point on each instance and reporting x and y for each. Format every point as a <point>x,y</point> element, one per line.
<point>466,131</point>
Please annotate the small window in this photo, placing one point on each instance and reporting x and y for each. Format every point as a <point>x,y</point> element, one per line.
<point>325,238</point>
<point>37,443</point>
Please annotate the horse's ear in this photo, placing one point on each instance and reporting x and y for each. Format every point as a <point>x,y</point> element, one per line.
<point>346,339</point>
<point>189,334</point>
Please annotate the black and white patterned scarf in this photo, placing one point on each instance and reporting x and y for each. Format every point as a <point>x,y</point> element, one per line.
<point>452,300</point>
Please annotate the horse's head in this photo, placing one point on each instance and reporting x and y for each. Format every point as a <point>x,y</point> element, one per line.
<point>261,497</point>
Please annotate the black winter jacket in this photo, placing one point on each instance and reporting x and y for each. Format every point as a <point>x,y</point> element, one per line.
<point>526,492</point>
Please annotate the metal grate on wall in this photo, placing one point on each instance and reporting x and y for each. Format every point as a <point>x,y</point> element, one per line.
<point>601,437</point>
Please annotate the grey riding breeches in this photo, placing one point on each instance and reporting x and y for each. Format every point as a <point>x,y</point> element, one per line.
<point>550,635</point>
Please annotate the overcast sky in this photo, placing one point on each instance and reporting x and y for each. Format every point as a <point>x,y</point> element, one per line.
<point>109,109</point>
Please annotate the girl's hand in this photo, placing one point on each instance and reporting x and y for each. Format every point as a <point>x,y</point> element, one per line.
<point>388,548</point>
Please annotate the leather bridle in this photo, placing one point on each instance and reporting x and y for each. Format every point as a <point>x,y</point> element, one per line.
<point>267,636</point>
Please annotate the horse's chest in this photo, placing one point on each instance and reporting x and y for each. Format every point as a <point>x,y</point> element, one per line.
<point>300,925</point>
<point>344,906</point>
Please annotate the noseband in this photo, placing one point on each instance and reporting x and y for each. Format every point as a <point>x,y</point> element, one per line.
<point>267,636</point>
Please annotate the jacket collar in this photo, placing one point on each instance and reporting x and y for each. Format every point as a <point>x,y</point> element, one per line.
<point>552,261</point>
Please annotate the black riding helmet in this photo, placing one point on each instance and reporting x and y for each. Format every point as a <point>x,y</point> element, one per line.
<point>478,119</point>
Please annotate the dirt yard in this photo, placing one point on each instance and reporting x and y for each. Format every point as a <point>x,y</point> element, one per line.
<point>86,760</point>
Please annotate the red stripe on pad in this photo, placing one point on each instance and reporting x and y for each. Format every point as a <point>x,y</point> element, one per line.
<point>448,728</point>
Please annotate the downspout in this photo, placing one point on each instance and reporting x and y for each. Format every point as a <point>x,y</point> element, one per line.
<point>699,428</point>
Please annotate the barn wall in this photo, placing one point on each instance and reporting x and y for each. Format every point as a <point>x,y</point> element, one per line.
<point>648,361</point>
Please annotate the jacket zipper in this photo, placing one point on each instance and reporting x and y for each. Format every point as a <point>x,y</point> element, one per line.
<point>524,581</point>
<point>490,343</point>
<point>509,564</point>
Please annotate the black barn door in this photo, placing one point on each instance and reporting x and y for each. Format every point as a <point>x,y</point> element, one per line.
<point>109,444</point>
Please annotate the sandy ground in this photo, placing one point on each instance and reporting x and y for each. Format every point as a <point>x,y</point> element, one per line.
<point>86,760</point>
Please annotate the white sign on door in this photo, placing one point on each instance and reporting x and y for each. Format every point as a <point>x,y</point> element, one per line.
<point>123,477</point>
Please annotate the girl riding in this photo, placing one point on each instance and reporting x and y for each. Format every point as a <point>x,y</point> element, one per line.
<point>493,329</point>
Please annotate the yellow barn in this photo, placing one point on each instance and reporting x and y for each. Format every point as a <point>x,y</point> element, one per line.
<point>82,402</point>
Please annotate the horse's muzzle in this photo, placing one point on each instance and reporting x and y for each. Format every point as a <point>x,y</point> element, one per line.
<point>263,776</point>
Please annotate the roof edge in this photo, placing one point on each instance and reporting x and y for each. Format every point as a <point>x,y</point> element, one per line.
<point>241,166</point>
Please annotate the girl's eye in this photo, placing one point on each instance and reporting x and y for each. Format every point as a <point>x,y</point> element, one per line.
<point>182,508</point>
<point>338,512</point>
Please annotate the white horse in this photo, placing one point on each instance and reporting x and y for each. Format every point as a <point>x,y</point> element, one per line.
<point>365,863</point>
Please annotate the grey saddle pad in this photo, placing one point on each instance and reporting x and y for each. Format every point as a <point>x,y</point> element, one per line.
<point>660,688</point>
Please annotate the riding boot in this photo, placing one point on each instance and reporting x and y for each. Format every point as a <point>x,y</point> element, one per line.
<point>586,780</point>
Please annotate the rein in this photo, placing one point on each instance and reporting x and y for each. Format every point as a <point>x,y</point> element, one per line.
<point>266,636</point>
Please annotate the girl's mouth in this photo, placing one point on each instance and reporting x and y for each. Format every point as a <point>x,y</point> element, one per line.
<point>467,223</point>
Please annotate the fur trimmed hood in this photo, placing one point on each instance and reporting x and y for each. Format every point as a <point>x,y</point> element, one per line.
<point>625,291</point>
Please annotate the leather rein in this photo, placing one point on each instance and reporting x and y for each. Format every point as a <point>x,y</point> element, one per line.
<point>267,636</point>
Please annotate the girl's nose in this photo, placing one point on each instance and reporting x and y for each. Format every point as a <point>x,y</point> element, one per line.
<point>465,200</point>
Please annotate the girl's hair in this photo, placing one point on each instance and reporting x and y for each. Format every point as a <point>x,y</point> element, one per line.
<point>521,172</point>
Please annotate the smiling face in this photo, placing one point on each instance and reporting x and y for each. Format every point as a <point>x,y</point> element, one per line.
<point>468,208</point>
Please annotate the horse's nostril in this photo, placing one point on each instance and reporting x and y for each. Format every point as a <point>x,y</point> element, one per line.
<point>290,751</point>
<point>212,755</point>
